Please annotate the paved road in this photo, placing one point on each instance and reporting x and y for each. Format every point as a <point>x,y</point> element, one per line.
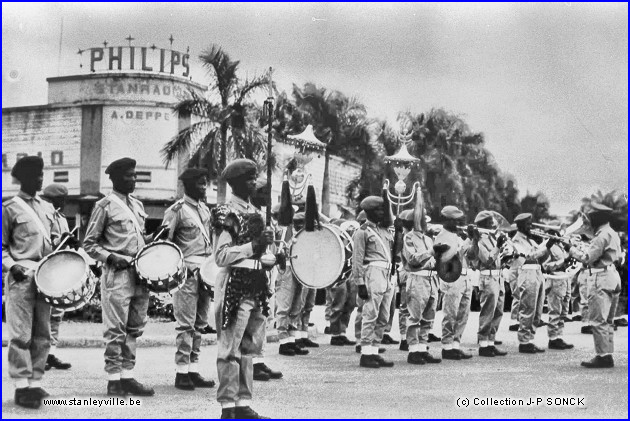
<point>328,383</point>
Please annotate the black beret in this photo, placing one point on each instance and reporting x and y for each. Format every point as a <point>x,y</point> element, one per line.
<point>120,165</point>
<point>371,203</point>
<point>523,217</point>
<point>55,190</point>
<point>193,174</point>
<point>239,168</point>
<point>27,166</point>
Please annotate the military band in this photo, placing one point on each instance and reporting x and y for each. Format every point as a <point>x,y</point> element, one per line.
<point>233,237</point>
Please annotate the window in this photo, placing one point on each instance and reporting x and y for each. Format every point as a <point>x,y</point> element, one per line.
<point>60,177</point>
<point>56,158</point>
<point>143,176</point>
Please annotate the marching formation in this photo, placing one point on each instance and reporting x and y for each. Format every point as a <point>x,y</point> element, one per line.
<point>255,270</point>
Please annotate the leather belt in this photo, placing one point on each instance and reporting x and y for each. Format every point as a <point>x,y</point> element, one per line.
<point>248,264</point>
<point>600,270</point>
<point>381,264</point>
<point>491,272</point>
<point>423,273</point>
<point>530,266</point>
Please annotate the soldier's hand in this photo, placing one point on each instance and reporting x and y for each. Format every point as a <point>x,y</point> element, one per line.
<point>117,262</point>
<point>96,270</point>
<point>440,248</point>
<point>19,272</point>
<point>69,240</point>
<point>161,234</point>
<point>501,241</point>
<point>362,292</point>
<point>550,243</point>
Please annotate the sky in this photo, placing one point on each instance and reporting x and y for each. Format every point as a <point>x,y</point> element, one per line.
<point>546,83</point>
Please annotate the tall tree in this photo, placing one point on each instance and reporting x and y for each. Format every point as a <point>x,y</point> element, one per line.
<point>220,126</point>
<point>337,120</point>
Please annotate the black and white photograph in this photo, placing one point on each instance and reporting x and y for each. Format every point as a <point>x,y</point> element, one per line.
<point>314,210</point>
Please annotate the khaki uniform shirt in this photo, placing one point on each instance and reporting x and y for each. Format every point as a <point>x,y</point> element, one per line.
<point>368,248</point>
<point>184,230</point>
<point>417,252</point>
<point>22,238</point>
<point>533,252</point>
<point>604,249</point>
<point>111,229</point>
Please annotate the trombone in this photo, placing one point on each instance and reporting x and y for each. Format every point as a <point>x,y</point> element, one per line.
<point>486,231</point>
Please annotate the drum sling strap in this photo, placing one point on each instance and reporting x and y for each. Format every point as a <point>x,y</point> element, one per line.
<point>130,213</point>
<point>31,212</point>
<point>197,220</point>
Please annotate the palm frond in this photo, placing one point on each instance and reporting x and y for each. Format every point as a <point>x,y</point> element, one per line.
<point>257,82</point>
<point>183,140</point>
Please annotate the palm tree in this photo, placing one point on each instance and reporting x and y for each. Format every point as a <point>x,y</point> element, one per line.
<point>222,126</point>
<point>339,121</point>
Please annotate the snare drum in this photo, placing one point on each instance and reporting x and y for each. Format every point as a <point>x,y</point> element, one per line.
<point>317,257</point>
<point>160,265</point>
<point>64,280</point>
<point>346,272</point>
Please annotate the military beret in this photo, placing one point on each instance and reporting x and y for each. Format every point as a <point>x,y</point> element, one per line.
<point>406,215</point>
<point>361,217</point>
<point>27,166</point>
<point>55,190</point>
<point>298,217</point>
<point>371,203</point>
<point>451,212</point>
<point>120,165</point>
<point>239,168</point>
<point>483,215</point>
<point>523,217</point>
<point>598,207</point>
<point>193,174</point>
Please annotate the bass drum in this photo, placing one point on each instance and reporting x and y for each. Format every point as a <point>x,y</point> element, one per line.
<point>317,257</point>
<point>64,280</point>
<point>346,272</point>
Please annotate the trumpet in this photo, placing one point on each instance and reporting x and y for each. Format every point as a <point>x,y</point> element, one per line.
<point>542,234</point>
<point>548,227</point>
<point>486,231</point>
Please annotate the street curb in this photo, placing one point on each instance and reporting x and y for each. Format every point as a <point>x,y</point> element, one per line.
<point>153,341</point>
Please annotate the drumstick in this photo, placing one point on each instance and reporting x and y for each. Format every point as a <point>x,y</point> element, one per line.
<point>66,239</point>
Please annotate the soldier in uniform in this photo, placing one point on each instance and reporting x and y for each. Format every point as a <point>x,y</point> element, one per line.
<point>56,194</point>
<point>186,224</point>
<point>289,301</point>
<point>486,251</point>
<point>530,282</point>
<point>371,270</point>
<point>457,295</point>
<point>115,234</point>
<point>344,300</point>
<point>604,283</point>
<point>422,285</point>
<point>28,229</point>
<point>406,218</point>
<point>242,306</point>
<point>557,287</point>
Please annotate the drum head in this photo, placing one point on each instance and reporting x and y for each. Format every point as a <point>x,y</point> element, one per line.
<point>159,261</point>
<point>317,257</point>
<point>61,272</point>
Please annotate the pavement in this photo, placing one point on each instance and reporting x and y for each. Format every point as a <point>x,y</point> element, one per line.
<point>328,383</point>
